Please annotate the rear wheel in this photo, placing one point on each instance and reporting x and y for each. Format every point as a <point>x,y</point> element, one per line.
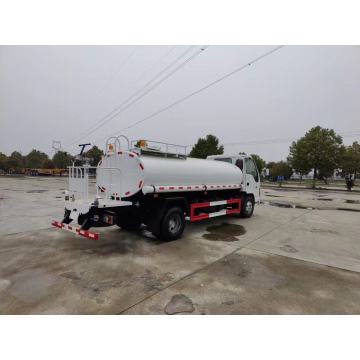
<point>129,222</point>
<point>247,207</point>
<point>172,224</point>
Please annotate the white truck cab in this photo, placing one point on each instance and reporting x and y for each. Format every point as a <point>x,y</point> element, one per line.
<point>251,176</point>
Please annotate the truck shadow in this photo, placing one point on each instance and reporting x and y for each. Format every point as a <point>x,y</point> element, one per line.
<point>116,242</point>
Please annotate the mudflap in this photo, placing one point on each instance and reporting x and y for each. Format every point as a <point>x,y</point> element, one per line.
<point>97,218</point>
<point>67,219</point>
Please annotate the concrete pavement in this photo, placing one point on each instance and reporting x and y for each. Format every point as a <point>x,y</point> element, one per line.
<point>281,261</point>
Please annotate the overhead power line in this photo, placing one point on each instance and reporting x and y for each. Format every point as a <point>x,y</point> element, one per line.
<point>143,91</point>
<point>348,134</point>
<point>133,94</point>
<point>119,70</point>
<point>156,62</point>
<point>285,140</point>
<point>101,89</point>
<point>179,101</point>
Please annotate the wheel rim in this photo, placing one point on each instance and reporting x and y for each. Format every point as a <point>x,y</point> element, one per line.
<point>174,223</point>
<point>248,207</point>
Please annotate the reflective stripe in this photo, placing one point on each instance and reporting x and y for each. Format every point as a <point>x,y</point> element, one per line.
<point>77,231</point>
<point>174,188</point>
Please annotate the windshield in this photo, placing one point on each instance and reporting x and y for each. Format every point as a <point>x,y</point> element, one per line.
<point>229,160</point>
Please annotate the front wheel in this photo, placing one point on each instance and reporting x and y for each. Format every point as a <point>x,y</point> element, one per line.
<point>173,224</point>
<point>247,207</point>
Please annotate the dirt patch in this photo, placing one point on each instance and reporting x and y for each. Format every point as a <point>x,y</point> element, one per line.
<point>289,249</point>
<point>36,191</point>
<point>302,207</point>
<point>346,209</point>
<point>31,285</point>
<point>325,231</point>
<point>352,201</point>
<point>152,281</point>
<point>230,302</point>
<point>92,287</point>
<point>179,303</point>
<point>224,232</point>
<point>106,248</point>
<point>282,205</point>
<point>293,206</point>
<point>71,275</point>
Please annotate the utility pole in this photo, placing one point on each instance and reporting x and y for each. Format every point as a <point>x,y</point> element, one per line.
<point>56,146</point>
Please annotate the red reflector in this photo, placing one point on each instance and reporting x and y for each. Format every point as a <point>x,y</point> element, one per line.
<point>127,193</point>
<point>142,166</point>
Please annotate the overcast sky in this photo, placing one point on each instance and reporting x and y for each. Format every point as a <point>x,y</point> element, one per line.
<point>59,92</point>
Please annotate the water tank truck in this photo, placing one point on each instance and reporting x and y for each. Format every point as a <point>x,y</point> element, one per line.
<point>158,185</point>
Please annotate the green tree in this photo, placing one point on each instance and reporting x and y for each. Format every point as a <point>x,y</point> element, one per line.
<point>3,162</point>
<point>95,154</point>
<point>206,146</point>
<point>280,168</point>
<point>260,163</point>
<point>15,161</point>
<point>48,164</point>
<point>318,150</point>
<point>35,159</point>
<point>350,161</point>
<point>62,160</point>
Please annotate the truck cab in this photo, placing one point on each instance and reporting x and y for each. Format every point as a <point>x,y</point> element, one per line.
<point>251,177</point>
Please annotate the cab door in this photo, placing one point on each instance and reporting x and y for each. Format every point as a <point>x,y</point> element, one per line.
<point>251,178</point>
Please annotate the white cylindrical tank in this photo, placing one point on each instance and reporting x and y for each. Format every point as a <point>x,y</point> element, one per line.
<point>125,173</point>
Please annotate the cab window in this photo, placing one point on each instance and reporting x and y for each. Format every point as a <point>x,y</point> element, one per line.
<point>239,163</point>
<point>251,169</point>
<point>229,160</point>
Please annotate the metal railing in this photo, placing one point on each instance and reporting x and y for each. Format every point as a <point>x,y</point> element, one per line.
<point>79,182</point>
<point>115,141</point>
<point>160,148</point>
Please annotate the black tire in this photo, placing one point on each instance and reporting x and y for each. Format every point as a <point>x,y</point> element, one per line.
<point>247,207</point>
<point>172,224</point>
<point>130,223</point>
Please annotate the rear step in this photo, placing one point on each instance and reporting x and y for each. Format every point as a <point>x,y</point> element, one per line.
<point>75,230</point>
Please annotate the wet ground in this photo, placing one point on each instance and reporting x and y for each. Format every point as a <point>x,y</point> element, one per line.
<point>299,257</point>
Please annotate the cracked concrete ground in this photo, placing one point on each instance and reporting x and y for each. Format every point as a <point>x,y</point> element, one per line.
<point>281,261</point>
